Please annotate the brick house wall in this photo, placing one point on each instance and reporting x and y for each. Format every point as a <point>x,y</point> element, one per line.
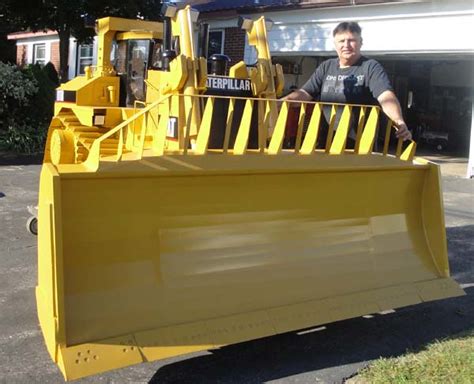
<point>234,44</point>
<point>21,54</point>
<point>54,58</point>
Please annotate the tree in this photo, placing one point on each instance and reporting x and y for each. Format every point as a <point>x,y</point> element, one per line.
<point>67,17</point>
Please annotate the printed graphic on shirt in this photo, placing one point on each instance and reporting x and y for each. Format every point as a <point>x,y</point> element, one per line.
<point>349,85</point>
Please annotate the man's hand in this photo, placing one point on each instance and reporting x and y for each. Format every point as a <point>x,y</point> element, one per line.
<point>402,131</point>
<point>297,95</point>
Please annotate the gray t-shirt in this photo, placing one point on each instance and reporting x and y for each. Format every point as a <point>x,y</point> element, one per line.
<point>361,83</point>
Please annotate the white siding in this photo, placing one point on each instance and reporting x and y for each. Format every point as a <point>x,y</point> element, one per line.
<point>424,27</point>
<point>73,57</point>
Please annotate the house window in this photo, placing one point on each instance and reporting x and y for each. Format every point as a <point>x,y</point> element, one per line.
<point>216,42</point>
<point>84,57</point>
<point>39,54</point>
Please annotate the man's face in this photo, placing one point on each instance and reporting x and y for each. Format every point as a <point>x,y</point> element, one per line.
<point>348,46</point>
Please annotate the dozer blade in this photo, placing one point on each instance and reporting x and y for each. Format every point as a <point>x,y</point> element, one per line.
<point>148,259</point>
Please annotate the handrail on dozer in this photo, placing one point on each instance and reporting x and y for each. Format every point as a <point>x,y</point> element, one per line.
<point>160,242</point>
<point>153,120</point>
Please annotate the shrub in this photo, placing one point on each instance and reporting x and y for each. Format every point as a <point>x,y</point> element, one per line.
<point>16,90</point>
<point>26,106</point>
<point>22,137</point>
<point>51,72</point>
<point>42,102</point>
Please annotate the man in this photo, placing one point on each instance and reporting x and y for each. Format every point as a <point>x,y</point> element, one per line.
<point>352,78</point>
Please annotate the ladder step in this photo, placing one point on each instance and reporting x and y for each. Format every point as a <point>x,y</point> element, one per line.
<point>84,128</point>
<point>69,119</point>
<point>105,143</point>
<point>66,115</point>
<point>89,139</point>
<point>108,151</point>
<point>87,135</point>
<point>109,145</point>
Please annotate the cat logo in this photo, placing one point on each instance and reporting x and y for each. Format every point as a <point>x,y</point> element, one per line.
<point>228,84</point>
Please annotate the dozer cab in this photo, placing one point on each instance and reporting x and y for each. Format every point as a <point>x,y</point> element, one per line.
<point>171,220</point>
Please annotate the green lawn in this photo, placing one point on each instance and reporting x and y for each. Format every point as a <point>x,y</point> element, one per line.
<point>445,361</point>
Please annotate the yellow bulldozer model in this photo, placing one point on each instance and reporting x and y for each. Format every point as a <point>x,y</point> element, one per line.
<point>172,220</point>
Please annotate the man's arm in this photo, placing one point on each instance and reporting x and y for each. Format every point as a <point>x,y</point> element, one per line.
<point>391,106</point>
<point>297,95</point>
